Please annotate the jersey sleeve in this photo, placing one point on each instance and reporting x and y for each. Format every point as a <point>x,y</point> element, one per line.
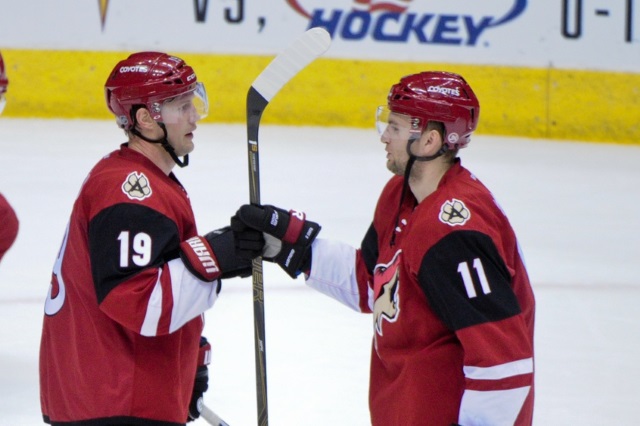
<point>468,286</point>
<point>344,273</point>
<point>138,277</point>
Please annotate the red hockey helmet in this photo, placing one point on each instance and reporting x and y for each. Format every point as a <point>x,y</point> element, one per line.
<point>4,83</point>
<point>439,96</point>
<point>149,78</point>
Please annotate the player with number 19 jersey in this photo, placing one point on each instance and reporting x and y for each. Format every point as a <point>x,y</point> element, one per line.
<point>127,224</point>
<point>452,306</point>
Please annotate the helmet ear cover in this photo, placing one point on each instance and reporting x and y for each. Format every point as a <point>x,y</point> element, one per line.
<point>438,96</point>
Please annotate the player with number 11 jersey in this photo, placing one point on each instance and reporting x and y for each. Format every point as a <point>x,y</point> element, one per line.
<point>439,268</point>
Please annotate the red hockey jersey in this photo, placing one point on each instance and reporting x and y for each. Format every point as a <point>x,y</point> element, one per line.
<point>123,316</point>
<point>452,306</point>
<point>9,227</point>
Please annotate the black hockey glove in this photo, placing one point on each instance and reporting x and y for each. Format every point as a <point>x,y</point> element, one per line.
<point>201,383</point>
<point>288,236</point>
<point>249,242</point>
<point>213,256</point>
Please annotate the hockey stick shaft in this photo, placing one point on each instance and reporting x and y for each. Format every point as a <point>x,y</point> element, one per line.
<point>283,68</point>
<point>257,103</point>
<point>211,417</point>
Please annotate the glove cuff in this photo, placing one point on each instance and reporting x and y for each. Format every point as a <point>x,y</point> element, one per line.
<point>295,227</point>
<point>204,355</point>
<point>198,257</point>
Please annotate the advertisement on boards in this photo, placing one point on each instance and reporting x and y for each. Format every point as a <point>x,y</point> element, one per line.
<point>545,33</point>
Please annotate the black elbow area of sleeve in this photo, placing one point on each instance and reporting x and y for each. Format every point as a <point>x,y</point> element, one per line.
<point>369,248</point>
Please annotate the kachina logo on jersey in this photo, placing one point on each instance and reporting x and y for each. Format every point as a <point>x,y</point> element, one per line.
<point>398,21</point>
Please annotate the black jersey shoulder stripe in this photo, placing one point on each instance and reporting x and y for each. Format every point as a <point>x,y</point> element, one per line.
<point>466,281</point>
<point>125,239</point>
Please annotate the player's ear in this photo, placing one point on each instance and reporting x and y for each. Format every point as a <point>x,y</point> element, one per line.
<point>430,142</point>
<point>144,119</point>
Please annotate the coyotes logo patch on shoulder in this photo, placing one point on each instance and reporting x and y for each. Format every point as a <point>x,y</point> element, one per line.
<point>454,213</point>
<point>136,186</point>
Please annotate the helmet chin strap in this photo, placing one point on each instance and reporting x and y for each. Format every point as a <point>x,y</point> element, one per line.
<point>165,144</point>
<point>441,151</point>
<point>407,172</point>
<point>413,158</point>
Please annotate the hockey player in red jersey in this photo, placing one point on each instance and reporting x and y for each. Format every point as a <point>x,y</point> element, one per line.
<point>9,223</point>
<point>439,268</point>
<point>121,340</point>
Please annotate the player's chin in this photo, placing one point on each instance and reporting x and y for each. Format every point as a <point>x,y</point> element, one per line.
<point>187,145</point>
<point>390,164</point>
<point>394,168</point>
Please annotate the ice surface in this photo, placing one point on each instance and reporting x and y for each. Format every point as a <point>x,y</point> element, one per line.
<point>575,207</point>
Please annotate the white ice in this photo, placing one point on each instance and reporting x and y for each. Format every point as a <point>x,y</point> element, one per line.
<point>575,207</point>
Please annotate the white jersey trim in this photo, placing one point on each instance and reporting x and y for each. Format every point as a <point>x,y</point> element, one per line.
<point>333,272</point>
<point>191,296</point>
<point>497,372</point>
<point>154,310</point>
<point>492,408</point>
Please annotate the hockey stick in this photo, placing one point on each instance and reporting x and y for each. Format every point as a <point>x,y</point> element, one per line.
<point>280,70</point>
<point>211,417</point>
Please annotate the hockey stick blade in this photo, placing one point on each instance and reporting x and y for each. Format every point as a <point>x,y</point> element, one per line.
<point>281,69</point>
<point>286,65</point>
<point>312,44</point>
<point>211,417</point>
